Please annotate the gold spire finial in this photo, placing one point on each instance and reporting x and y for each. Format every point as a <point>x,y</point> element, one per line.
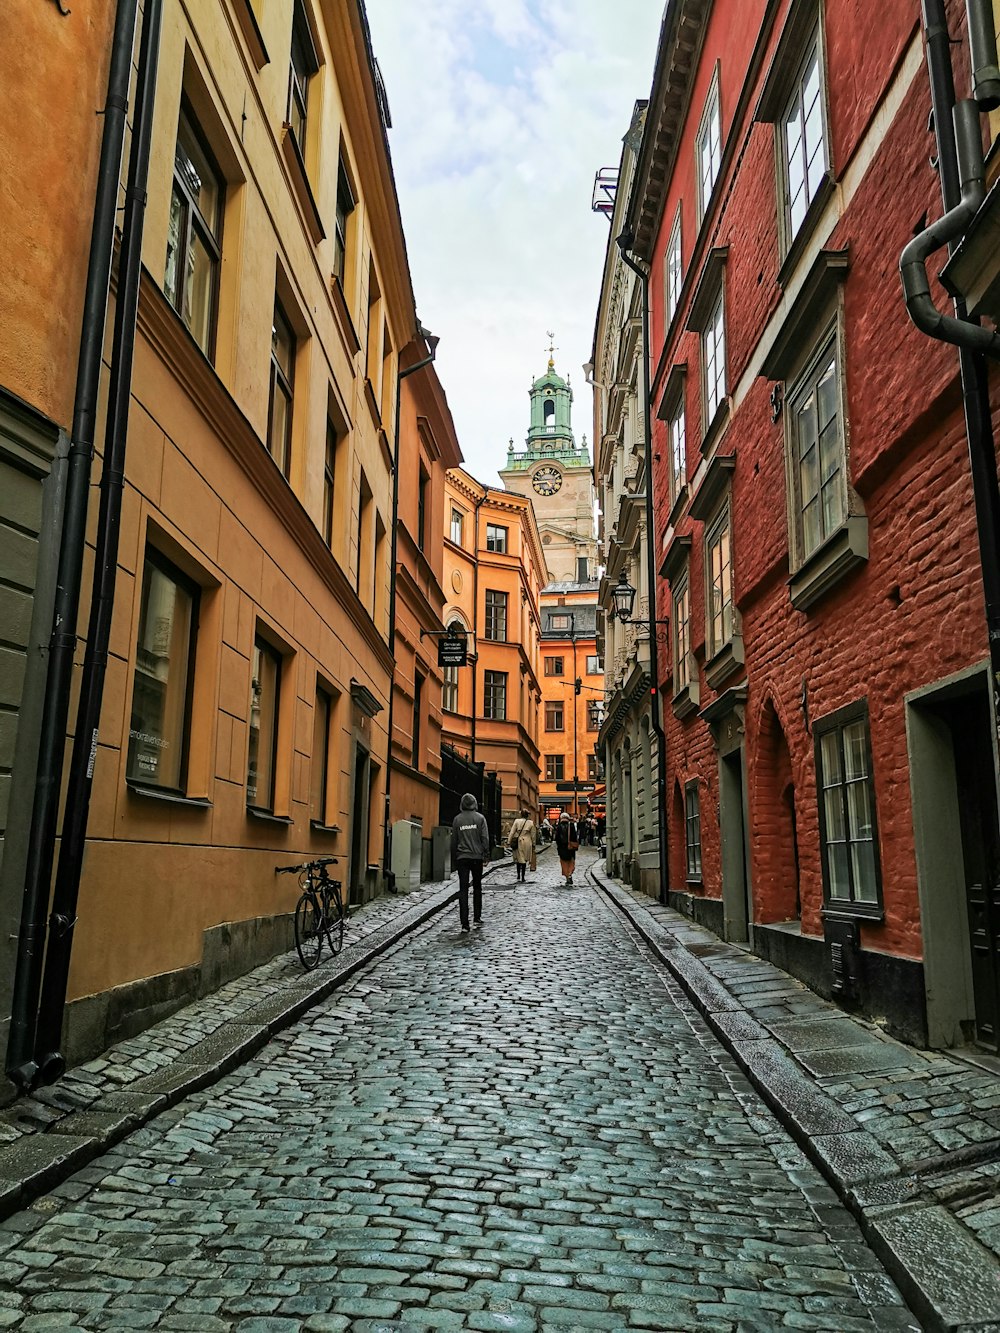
<point>550,335</point>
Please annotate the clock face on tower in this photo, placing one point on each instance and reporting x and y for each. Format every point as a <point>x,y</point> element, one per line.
<point>547,480</point>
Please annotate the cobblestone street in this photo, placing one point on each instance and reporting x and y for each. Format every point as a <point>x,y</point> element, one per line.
<point>526,1127</point>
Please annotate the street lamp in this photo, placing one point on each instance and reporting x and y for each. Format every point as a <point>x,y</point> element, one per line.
<point>623,597</point>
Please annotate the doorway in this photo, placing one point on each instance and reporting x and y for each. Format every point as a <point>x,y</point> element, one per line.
<point>737,900</point>
<point>359,825</point>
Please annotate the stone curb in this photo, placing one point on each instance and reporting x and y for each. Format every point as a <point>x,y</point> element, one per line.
<point>37,1162</point>
<point>950,1280</point>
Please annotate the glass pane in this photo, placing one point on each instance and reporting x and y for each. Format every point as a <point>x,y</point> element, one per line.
<point>281,417</point>
<point>199,291</point>
<point>863,869</point>
<point>159,693</point>
<point>856,750</point>
<point>829,749</point>
<point>197,175</point>
<point>826,389</point>
<point>805,424</point>
<point>859,814</point>
<point>833,506</point>
<point>812,533</point>
<point>175,232</point>
<point>282,343</point>
<point>263,724</point>
<point>833,809</point>
<point>836,862</point>
<point>320,751</point>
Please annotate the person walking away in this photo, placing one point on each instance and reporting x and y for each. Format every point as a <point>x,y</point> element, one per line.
<point>521,842</point>
<point>567,841</point>
<point>470,847</point>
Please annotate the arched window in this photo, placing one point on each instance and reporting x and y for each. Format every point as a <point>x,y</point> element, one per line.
<point>549,414</point>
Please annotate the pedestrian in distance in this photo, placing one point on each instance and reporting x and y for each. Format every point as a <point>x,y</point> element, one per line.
<point>470,848</point>
<point>546,828</point>
<point>521,841</point>
<point>567,841</point>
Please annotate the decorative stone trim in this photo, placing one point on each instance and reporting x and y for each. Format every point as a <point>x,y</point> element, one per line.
<point>247,21</point>
<point>843,551</point>
<point>364,698</point>
<point>728,659</point>
<point>676,557</point>
<point>301,187</point>
<point>685,701</point>
<point>27,438</point>
<point>709,283</point>
<point>797,330</point>
<point>717,480</point>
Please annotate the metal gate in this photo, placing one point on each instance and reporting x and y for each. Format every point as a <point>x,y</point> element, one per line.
<point>460,775</point>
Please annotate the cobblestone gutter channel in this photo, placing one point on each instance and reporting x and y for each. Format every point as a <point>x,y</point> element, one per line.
<point>908,1139</point>
<point>49,1135</point>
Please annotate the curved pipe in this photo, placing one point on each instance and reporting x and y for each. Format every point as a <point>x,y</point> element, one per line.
<point>983,50</point>
<point>913,261</point>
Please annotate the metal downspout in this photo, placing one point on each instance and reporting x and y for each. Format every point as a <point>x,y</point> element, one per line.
<point>62,921</point>
<point>475,619</point>
<point>432,342</point>
<point>55,705</point>
<point>624,242</point>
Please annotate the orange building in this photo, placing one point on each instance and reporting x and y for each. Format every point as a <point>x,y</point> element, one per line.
<point>494,570</point>
<point>428,447</point>
<point>572,698</point>
<point>245,712</point>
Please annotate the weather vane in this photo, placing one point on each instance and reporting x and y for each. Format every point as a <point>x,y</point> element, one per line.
<point>550,335</point>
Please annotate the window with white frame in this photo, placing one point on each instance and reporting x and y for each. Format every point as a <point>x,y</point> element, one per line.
<point>819,483</point>
<point>449,690</point>
<point>194,231</point>
<point>713,360</point>
<point>803,141</point>
<point>594,667</point>
<point>676,448</point>
<point>719,582</point>
<point>674,270</point>
<point>456,526</point>
<point>692,831</point>
<point>681,630</point>
<point>496,538</point>
<point>851,872</point>
<point>709,146</point>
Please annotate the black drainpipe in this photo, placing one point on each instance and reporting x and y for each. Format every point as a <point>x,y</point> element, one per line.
<point>55,705</point>
<point>624,243</point>
<point>972,364</point>
<point>475,621</point>
<point>432,342</point>
<point>62,921</point>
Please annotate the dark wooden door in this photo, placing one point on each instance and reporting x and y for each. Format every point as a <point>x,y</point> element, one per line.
<point>970,720</point>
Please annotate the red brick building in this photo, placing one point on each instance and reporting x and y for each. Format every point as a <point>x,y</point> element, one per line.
<point>829,791</point>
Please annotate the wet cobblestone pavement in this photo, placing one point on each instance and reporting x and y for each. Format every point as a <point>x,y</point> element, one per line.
<point>526,1127</point>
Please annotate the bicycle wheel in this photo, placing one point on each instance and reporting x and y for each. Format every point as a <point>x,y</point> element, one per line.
<point>336,918</point>
<point>308,930</point>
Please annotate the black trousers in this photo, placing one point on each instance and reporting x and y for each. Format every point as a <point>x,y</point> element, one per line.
<point>470,870</point>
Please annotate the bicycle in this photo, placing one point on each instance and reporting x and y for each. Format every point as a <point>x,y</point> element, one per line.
<point>320,910</point>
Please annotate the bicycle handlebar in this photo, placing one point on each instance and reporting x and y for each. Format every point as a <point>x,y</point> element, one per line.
<point>307,865</point>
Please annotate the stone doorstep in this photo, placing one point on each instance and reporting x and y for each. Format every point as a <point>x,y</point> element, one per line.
<point>42,1159</point>
<point>950,1280</point>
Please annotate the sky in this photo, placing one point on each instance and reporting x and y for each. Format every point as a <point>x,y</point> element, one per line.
<point>502,113</point>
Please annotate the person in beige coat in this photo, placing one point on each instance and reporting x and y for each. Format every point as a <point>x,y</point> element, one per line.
<point>521,841</point>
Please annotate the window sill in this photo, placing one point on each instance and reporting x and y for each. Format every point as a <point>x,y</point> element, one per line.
<point>685,701</point>
<point>266,817</point>
<point>807,226</point>
<point>247,21</point>
<point>318,826</point>
<point>716,428</point>
<point>677,508</point>
<point>727,660</point>
<point>843,551</point>
<point>171,797</point>
<point>301,187</point>
<point>694,881</point>
<point>853,912</point>
<point>343,315</point>
<point>372,401</point>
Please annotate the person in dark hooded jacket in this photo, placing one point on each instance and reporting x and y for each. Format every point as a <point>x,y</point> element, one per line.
<point>470,847</point>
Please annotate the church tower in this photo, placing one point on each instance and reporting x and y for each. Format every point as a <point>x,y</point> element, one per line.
<point>556,475</point>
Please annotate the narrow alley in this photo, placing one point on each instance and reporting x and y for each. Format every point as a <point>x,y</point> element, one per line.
<point>525,1127</point>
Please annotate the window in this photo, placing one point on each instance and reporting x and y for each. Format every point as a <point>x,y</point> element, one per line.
<point>553,715</point>
<point>164,673</point>
<point>265,681</point>
<point>674,271</point>
<point>373,336</point>
<point>594,667</point>
<point>329,481</point>
<point>496,538</point>
<point>364,570</point>
<point>423,486</point>
<point>279,410</point>
<point>496,615</point>
<point>449,690</point>
<point>549,415</point>
<point>713,360</point>
<point>322,714</point>
<point>495,695</point>
<point>418,699</point>
<point>719,579</point>
<point>554,666</point>
<point>456,526</point>
<point>594,715</point>
<point>709,147</point>
<point>677,449</point>
<point>851,874</point>
<point>555,767</point>
<point>304,64</point>
<point>682,636</point>
<point>345,207</point>
<point>692,831</point>
<point>191,275</point>
<point>820,500</point>
<point>560,622</point>
<point>593,768</point>
<point>803,147</point>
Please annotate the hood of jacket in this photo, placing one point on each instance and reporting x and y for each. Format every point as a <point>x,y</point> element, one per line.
<point>469,802</point>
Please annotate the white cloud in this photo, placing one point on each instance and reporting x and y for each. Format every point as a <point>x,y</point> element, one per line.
<point>502,113</point>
